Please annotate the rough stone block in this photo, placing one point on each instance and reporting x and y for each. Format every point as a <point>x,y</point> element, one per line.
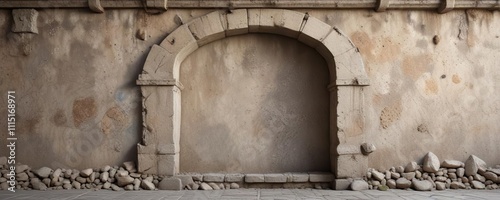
<point>158,64</point>
<point>234,178</point>
<point>147,163</point>
<point>168,164</point>
<point>342,184</point>
<point>314,32</point>
<point>185,179</point>
<point>277,21</point>
<point>212,177</point>
<point>207,28</point>
<point>237,22</point>
<point>170,184</point>
<point>170,149</point>
<point>254,178</point>
<point>253,19</point>
<point>345,149</point>
<point>161,117</point>
<point>274,178</point>
<point>300,177</point>
<point>350,166</point>
<point>320,177</point>
<point>337,43</point>
<point>25,21</point>
<point>146,149</point>
<point>197,177</point>
<point>349,67</point>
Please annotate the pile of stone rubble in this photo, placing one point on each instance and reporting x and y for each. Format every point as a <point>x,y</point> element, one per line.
<point>433,174</point>
<point>112,178</point>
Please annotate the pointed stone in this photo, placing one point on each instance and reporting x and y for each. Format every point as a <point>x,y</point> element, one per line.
<point>86,172</point>
<point>411,167</point>
<point>205,186</point>
<point>145,184</point>
<point>431,163</point>
<point>377,175</point>
<point>473,165</point>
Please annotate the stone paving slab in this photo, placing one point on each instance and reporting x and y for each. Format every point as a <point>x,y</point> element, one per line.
<point>250,194</point>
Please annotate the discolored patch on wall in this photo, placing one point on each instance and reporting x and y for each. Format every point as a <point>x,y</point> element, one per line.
<point>456,79</point>
<point>363,41</point>
<point>59,118</point>
<point>83,110</point>
<point>390,114</point>
<point>431,86</point>
<point>422,128</point>
<point>114,119</point>
<point>415,66</point>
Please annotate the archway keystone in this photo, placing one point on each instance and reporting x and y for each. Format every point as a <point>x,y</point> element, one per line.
<point>158,153</point>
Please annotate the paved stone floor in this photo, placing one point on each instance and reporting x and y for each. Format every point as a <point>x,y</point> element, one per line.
<point>250,194</point>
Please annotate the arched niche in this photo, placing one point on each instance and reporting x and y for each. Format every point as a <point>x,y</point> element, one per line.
<point>158,153</point>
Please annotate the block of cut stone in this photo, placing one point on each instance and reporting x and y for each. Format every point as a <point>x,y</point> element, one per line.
<point>234,177</point>
<point>274,178</point>
<point>254,178</point>
<point>213,177</point>
<point>300,177</point>
<point>25,21</point>
<point>320,177</point>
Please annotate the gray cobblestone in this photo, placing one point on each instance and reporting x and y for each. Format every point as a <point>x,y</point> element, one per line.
<point>251,194</point>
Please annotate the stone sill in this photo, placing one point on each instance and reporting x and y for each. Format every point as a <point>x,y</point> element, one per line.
<point>269,178</point>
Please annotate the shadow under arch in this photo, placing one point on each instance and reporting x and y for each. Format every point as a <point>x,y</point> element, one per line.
<point>158,153</point>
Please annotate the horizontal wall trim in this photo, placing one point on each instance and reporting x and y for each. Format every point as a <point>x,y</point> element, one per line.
<point>290,4</point>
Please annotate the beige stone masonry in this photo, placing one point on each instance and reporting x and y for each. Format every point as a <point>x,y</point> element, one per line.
<point>300,178</point>
<point>161,90</point>
<point>234,177</point>
<point>237,22</point>
<point>213,177</point>
<point>276,21</point>
<point>320,177</point>
<point>274,178</point>
<point>314,32</point>
<point>207,28</point>
<point>254,178</point>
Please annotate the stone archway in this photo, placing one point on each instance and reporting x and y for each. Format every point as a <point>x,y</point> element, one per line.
<point>158,153</point>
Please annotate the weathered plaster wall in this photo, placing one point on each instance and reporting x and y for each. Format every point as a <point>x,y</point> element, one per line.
<point>78,105</point>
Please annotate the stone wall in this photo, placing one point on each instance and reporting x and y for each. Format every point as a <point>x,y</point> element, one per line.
<point>433,82</point>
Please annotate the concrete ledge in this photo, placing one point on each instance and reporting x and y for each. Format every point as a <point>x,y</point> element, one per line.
<point>212,177</point>
<point>300,177</point>
<point>274,178</point>
<point>320,177</point>
<point>234,178</point>
<point>254,178</point>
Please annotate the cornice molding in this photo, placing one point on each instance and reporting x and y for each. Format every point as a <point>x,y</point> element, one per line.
<point>379,5</point>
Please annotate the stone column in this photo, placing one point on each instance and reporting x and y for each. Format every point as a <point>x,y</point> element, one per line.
<point>158,153</point>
